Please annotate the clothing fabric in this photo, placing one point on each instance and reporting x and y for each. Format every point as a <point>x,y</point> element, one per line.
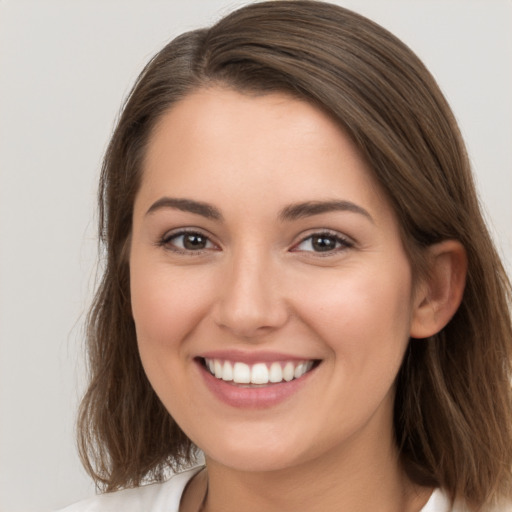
<point>166,497</point>
<point>161,497</point>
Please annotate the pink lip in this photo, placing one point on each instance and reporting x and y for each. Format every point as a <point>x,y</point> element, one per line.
<point>251,357</point>
<point>261,397</point>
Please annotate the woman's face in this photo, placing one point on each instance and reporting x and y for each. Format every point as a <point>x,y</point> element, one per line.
<point>262,248</point>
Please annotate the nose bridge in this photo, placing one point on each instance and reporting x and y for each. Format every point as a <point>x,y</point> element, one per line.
<point>250,301</point>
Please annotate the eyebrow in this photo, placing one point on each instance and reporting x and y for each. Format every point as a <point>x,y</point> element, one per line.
<point>289,213</point>
<point>310,208</point>
<point>186,205</point>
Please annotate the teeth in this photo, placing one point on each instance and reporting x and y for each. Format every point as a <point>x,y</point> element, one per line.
<point>241,373</point>
<point>227,371</point>
<point>276,373</point>
<point>302,368</point>
<point>259,373</point>
<point>288,372</point>
<point>217,366</point>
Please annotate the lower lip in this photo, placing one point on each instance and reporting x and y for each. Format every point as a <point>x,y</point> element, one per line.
<point>260,397</point>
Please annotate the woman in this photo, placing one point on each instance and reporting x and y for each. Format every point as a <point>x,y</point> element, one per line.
<point>298,282</point>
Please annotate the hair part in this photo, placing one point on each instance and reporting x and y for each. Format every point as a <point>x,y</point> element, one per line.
<point>453,404</point>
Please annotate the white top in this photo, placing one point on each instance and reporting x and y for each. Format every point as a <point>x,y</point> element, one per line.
<point>166,497</point>
<point>161,497</point>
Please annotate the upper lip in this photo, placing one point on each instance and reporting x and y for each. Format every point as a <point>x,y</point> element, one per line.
<point>252,357</point>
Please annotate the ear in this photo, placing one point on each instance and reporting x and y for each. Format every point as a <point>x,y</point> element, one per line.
<point>439,295</point>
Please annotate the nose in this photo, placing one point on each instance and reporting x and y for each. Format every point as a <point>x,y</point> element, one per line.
<point>250,301</point>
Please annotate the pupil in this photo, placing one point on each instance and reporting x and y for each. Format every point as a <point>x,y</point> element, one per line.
<point>194,242</point>
<point>323,243</point>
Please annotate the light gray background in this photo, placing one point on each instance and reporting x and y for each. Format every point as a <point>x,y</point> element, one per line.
<point>65,67</point>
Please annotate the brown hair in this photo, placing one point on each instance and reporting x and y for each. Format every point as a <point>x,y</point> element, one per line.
<point>453,404</point>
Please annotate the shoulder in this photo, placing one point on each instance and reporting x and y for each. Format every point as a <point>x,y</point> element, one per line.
<point>158,497</point>
<point>440,502</point>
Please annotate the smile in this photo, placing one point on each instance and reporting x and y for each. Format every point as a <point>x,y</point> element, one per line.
<point>259,373</point>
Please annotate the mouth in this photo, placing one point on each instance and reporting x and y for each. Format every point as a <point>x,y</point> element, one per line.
<point>257,374</point>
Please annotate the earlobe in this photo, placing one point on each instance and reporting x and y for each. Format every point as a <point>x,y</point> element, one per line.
<point>440,294</point>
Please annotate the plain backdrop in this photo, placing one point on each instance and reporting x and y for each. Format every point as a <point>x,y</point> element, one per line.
<point>65,67</point>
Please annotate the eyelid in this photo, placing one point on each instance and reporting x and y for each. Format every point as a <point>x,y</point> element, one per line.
<point>345,241</point>
<point>165,240</point>
<point>342,239</point>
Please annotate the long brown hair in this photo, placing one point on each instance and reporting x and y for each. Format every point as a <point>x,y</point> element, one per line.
<point>453,408</point>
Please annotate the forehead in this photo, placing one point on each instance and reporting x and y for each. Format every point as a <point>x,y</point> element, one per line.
<point>217,142</point>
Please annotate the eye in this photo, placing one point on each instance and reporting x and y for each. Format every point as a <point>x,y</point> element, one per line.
<point>324,242</point>
<point>185,241</point>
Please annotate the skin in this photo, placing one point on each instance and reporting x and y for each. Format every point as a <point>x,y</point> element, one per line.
<point>259,285</point>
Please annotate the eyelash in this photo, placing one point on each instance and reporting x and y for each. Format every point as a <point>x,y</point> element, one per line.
<point>167,242</point>
<point>340,242</point>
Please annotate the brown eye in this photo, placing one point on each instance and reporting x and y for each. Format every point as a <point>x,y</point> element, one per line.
<point>188,241</point>
<point>323,242</point>
<point>193,242</point>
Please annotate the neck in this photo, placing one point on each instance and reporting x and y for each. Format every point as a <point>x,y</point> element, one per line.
<point>355,479</point>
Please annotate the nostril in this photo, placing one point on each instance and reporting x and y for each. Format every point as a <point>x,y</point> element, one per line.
<point>247,304</point>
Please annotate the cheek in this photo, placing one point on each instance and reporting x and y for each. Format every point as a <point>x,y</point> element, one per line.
<point>361,313</point>
<point>166,305</point>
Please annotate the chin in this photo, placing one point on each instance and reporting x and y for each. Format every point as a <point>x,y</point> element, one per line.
<point>251,462</point>
<point>256,456</point>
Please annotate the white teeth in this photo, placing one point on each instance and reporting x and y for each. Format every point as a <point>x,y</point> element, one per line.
<point>288,372</point>
<point>276,373</point>
<point>303,368</point>
<point>241,373</point>
<point>217,369</point>
<point>259,373</point>
<point>300,370</point>
<point>227,371</point>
